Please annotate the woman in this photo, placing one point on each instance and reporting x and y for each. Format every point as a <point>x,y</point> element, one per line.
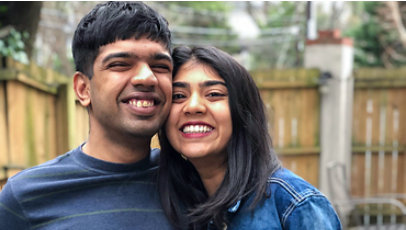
<point>217,167</point>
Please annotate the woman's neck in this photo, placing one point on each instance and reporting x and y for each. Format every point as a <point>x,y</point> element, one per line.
<point>212,175</point>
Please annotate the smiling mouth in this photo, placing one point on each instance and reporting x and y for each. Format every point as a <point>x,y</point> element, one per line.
<point>141,103</point>
<point>196,129</point>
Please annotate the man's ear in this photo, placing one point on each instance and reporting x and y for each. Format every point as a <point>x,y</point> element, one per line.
<point>81,86</point>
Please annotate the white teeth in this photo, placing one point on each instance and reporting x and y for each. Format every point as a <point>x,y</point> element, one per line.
<point>197,129</point>
<point>141,103</point>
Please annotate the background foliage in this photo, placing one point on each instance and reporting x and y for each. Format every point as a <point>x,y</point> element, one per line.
<point>43,30</point>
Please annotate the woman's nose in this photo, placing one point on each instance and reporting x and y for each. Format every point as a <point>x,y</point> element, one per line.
<point>195,105</point>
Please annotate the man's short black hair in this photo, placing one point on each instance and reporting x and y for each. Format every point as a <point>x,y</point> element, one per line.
<point>112,21</point>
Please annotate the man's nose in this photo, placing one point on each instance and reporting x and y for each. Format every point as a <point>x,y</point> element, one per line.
<point>144,76</point>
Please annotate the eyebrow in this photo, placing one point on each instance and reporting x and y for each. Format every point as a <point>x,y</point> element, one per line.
<point>211,83</point>
<point>180,84</point>
<point>161,56</point>
<point>118,55</point>
<point>155,56</point>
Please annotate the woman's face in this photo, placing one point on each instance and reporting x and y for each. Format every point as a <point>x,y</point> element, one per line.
<point>199,124</point>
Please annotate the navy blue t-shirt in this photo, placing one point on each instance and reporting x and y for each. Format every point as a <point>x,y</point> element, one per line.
<point>76,191</point>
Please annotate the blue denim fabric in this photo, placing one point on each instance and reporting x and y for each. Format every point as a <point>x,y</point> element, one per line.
<point>293,204</point>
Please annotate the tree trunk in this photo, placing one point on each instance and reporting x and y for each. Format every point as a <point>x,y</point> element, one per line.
<point>24,17</point>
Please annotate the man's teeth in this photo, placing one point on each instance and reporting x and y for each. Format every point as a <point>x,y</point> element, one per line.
<point>196,129</point>
<point>141,103</point>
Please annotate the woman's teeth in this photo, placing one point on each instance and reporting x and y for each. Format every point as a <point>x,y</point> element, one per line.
<point>196,129</point>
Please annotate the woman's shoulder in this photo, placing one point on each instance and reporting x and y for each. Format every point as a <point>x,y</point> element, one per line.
<point>300,203</point>
<point>285,182</point>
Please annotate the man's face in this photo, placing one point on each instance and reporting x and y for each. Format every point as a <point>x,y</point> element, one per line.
<point>131,89</point>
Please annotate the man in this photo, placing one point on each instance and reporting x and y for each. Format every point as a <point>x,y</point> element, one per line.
<point>124,78</point>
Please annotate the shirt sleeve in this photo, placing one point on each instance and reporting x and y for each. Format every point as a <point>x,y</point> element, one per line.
<point>313,212</point>
<point>11,214</point>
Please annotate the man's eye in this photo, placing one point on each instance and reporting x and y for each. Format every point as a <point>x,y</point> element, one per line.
<point>161,68</point>
<point>118,65</point>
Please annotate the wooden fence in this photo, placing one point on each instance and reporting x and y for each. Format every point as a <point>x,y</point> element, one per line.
<point>379,132</point>
<point>40,118</point>
<point>292,101</point>
<point>37,116</point>
<point>378,128</point>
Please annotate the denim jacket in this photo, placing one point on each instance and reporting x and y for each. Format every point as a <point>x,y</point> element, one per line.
<point>293,204</point>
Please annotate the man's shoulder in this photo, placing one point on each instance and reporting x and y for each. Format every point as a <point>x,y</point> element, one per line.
<point>58,165</point>
<point>32,181</point>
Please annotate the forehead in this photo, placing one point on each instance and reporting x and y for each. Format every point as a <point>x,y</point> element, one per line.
<point>193,71</point>
<point>141,47</point>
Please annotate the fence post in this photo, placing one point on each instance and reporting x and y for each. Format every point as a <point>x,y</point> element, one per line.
<point>333,55</point>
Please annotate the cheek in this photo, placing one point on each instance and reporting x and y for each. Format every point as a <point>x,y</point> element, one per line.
<point>111,85</point>
<point>225,120</point>
<point>173,116</point>
<point>165,83</point>
<point>95,92</point>
<point>222,112</point>
<point>170,125</point>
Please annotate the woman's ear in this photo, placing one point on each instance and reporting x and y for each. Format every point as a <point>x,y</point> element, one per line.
<point>81,86</point>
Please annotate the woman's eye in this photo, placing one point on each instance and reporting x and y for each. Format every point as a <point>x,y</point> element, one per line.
<point>177,96</point>
<point>216,94</point>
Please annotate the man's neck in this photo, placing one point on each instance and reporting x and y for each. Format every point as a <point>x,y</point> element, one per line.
<point>121,151</point>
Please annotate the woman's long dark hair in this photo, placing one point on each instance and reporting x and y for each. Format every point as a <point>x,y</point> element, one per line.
<point>250,158</point>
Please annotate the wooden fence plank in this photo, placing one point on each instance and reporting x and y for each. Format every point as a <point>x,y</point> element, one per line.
<point>4,151</point>
<point>43,114</point>
<point>306,166</point>
<point>61,116</point>
<point>16,96</point>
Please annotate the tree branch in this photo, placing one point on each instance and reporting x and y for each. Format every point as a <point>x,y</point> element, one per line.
<point>397,19</point>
